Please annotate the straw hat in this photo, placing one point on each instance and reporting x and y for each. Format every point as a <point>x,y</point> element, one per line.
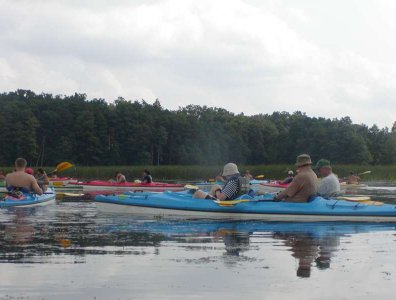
<point>230,169</point>
<point>303,160</point>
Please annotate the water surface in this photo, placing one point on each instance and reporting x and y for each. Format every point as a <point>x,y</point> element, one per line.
<point>69,251</point>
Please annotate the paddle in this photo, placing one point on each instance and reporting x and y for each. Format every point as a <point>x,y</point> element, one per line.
<point>364,173</point>
<point>260,176</point>
<point>191,187</point>
<point>62,167</point>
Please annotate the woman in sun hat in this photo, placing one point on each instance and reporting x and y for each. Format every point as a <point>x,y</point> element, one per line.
<point>231,188</point>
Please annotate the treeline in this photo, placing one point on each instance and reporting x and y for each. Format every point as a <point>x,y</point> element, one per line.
<point>47,129</point>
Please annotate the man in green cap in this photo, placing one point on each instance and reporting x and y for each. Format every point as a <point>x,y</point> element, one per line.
<point>304,185</point>
<point>329,186</point>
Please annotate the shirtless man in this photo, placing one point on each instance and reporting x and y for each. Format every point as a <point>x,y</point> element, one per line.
<point>21,180</point>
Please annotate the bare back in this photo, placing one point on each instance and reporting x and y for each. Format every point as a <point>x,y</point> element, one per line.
<point>23,180</point>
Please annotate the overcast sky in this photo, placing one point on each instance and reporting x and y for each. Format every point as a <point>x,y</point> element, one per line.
<point>326,58</point>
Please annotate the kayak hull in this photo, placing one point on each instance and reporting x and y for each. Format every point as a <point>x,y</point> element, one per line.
<point>30,200</point>
<point>188,214</point>
<point>184,206</point>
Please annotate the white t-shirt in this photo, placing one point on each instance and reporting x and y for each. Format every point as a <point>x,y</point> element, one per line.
<point>329,186</point>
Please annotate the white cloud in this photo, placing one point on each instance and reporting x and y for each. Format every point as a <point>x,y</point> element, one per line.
<point>244,56</point>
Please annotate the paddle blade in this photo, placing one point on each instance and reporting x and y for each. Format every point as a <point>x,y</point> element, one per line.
<point>259,176</point>
<point>63,166</point>
<point>364,173</point>
<point>191,187</point>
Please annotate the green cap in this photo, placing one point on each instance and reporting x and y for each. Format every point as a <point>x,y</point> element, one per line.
<point>322,163</point>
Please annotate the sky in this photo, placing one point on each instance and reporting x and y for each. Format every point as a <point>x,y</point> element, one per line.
<point>328,58</point>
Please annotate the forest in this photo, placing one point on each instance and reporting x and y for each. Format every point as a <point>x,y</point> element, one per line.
<point>47,129</point>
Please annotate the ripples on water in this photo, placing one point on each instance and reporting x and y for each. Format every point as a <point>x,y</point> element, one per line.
<point>68,250</point>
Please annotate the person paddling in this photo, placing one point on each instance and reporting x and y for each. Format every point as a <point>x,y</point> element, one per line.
<point>147,177</point>
<point>19,180</point>
<point>353,178</point>
<point>42,179</point>
<point>289,178</point>
<point>248,176</point>
<point>120,178</point>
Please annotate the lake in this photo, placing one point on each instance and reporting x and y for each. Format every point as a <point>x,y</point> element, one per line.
<point>70,251</point>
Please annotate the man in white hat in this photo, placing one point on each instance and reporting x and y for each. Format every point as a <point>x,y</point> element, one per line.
<point>303,185</point>
<point>289,178</point>
<point>231,188</point>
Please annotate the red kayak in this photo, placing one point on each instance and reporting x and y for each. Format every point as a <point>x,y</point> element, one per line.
<point>274,186</point>
<point>59,182</point>
<point>128,186</point>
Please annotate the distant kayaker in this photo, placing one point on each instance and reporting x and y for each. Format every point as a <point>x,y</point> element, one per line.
<point>303,185</point>
<point>120,178</point>
<point>42,179</point>
<point>353,178</point>
<point>289,178</point>
<point>231,188</point>
<point>147,177</point>
<point>248,176</point>
<point>29,171</point>
<point>220,178</point>
<point>329,186</point>
<point>20,180</point>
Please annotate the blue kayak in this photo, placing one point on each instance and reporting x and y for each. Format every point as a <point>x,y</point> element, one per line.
<point>181,204</point>
<point>28,199</point>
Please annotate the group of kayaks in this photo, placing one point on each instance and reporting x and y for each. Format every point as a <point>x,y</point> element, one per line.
<point>172,200</point>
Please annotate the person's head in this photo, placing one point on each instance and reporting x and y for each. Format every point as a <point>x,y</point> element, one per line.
<point>229,170</point>
<point>303,272</point>
<point>40,170</point>
<point>323,167</point>
<point>303,160</point>
<point>290,173</point>
<point>20,164</point>
<point>322,262</point>
<point>30,171</point>
<point>117,173</point>
<point>247,172</point>
<point>146,172</point>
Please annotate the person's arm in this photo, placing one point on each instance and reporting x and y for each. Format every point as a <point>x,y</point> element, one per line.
<point>291,190</point>
<point>45,179</point>
<point>6,183</point>
<point>36,187</point>
<point>227,191</point>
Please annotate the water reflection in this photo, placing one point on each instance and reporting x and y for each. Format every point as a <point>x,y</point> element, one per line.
<point>48,235</point>
<point>308,248</point>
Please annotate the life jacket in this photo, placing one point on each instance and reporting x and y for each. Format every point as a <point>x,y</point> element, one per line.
<point>242,185</point>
